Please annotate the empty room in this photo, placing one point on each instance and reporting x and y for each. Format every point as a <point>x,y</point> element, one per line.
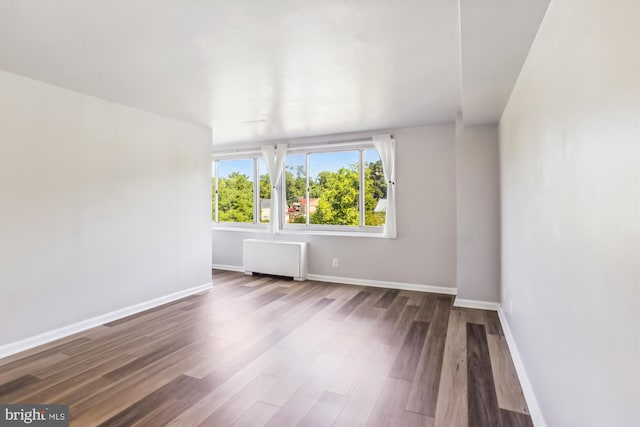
<point>385,213</point>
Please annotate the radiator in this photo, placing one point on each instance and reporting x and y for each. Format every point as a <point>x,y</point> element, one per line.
<point>277,258</point>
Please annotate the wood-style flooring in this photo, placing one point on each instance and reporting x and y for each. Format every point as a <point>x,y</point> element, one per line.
<point>265,351</point>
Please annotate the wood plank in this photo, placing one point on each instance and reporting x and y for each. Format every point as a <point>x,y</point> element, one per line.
<point>35,355</point>
<point>427,308</point>
<point>308,394</point>
<point>109,400</point>
<point>235,407</point>
<point>351,305</point>
<point>41,349</point>
<point>257,415</point>
<point>415,298</point>
<point>389,408</point>
<point>424,392</point>
<point>153,401</point>
<point>451,409</point>
<point>164,413</point>
<point>475,316</point>
<point>139,363</point>
<point>514,419</point>
<point>77,380</point>
<point>20,370</point>
<point>402,325</point>
<point>287,386</point>
<point>16,385</point>
<point>386,326</point>
<point>406,364</point>
<point>364,395</point>
<point>387,298</point>
<point>219,395</point>
<point>411,419</point>
<point>508,389</point>
<point>493,323</point>
<point>352,370</point>
<point>325,411</point>
<point>481,392</point>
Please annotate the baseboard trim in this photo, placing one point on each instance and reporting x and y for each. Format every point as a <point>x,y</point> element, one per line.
<point>361,282</point>
<point>481,305</point>
<point>227,267</point>
<point>383,284</point>
<point>527,389</point>
<point>65,331</point>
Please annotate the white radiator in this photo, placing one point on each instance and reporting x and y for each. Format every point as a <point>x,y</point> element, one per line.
<point>278,258</point>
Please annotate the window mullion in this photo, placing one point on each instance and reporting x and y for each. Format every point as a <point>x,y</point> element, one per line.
<point>256,191</point>
<point>308,208</point>
<point>361,190</point>
<point>282,192</point>
<point>216,190</point>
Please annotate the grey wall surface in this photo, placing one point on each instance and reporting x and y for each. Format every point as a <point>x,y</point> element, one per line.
<point>101,207</point>
<point>478,212</point>
<point>425,250</point>
<point>570,174</point>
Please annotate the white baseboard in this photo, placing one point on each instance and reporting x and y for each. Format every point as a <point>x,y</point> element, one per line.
<point>362,282</point>
<point>26,344</point>
<point>527,389</point>
<point>227,267</point>
<point>383,284</point>
<point>480,305</point>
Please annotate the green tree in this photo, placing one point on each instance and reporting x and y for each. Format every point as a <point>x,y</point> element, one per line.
<point>375,189</point>
<point>265,194</point>
<point>296,184</point>
<point>235,198</point>
<point>265,186</point>
<point>300,219</point>
<point>337,197</point>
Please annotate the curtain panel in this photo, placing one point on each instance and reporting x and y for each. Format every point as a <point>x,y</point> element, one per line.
<point>274,156</point>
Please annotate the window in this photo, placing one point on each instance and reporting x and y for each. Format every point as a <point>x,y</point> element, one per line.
<point>342,190</point>
<point>241,191</point>
<point>331,188</point>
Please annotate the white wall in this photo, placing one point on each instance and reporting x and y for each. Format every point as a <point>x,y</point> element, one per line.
<point>570,165</point>
<point>424,252</point>
<point>478,213</point>
<point>101,207</point>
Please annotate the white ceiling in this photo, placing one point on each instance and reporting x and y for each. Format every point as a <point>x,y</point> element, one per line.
<point>275,69</point>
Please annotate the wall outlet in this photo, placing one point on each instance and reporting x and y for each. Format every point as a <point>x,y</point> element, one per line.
<point>334,262</point>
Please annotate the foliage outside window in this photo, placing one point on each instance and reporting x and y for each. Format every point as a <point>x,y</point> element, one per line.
<point>234,190</point>
<point>324,188</point>
<point>342,189</point>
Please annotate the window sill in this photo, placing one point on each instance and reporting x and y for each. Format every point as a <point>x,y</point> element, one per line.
<point>334,233</point>
<point>359,234</point>
<point>301,232</point>
<point>247,229</point>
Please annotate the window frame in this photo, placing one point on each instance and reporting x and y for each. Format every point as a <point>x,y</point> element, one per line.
<point>256,226</point>
<point>308,228</point>
<point>255,157</point>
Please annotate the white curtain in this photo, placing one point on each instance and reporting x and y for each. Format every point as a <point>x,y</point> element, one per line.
<point>386,146</point>
<point>274,159</point>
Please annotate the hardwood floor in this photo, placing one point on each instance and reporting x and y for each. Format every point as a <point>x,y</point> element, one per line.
<point>266,351</point>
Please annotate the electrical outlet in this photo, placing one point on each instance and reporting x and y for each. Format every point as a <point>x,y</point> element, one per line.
<point>334,262</point>
<point>510,306</point>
